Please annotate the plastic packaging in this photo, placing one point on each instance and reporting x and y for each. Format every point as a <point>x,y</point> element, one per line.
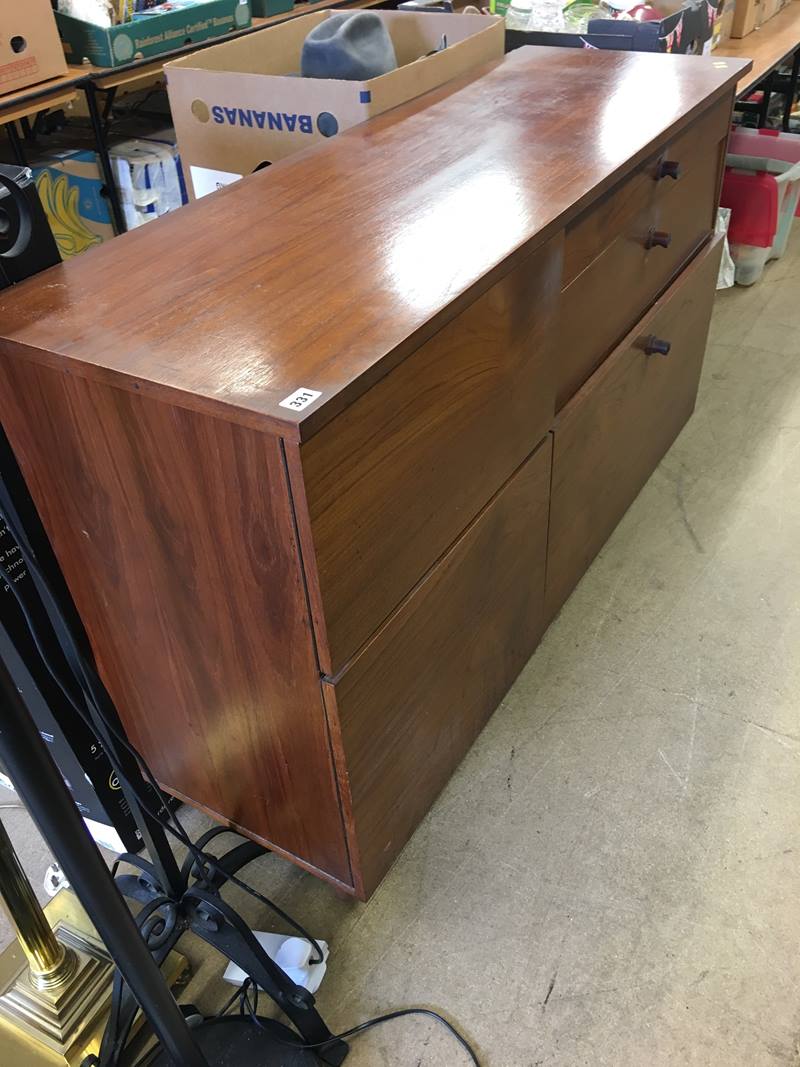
<point>545,16</point>
<point>727,268</point>
<point>518,15</point>
<point>753,200</point>
<point>147,179</point>
<point>578,13</point>
<point>787,179</point>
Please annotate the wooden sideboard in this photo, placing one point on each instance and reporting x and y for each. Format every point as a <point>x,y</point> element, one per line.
<point>492,304</point>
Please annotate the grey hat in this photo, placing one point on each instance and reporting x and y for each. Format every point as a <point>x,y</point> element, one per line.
<point>348,48</point>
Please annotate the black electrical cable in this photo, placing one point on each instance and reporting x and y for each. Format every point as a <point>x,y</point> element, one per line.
<point>354,1031</point>
<point>229,1004</point>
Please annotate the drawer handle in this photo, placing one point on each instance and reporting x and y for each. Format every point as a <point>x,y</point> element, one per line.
<point>655,346</point>
<point>668,168</point>
<point>657,239</point>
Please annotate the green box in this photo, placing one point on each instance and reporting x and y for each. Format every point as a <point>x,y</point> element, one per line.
<point>264,8</point>
<point>151,36</point>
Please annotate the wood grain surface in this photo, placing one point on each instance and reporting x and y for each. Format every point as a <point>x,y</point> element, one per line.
<point>175,535</point>
<point>416,697</point>
<point>611,435</point>
<point>591,233</point>
<point>325,270</point>
<point>626,278</point>
<point>392,481</point>
<point>224,551</point>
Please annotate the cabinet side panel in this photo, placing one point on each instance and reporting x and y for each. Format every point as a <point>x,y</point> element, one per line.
<point>175,534</point>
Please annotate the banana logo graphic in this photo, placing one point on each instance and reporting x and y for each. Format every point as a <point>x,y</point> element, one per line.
<point>60,202</point>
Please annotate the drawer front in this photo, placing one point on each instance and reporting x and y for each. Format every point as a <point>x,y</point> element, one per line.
<point>607,298</point>
<point>393,481</point>
<point>612,435</point>
<point>409,706</point>
<point>593,231</point>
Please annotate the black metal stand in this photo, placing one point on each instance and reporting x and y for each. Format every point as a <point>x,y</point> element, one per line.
<point>226,1042</point>
<point>200,908</point>
<point>789,88</point>
<point>237,1042</point>
<point>139,947</point>
<point>99,122</point>
<point>15,141</point>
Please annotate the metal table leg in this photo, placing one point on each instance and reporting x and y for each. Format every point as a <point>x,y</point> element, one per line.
<point>98,128</point>
<point>791,92</point>
<point>16,144</point>
<point>766,94</point>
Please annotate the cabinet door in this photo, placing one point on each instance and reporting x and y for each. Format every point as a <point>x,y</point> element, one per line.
<point>393,481</point>
<point>409,706</point>
<point>614,431</point>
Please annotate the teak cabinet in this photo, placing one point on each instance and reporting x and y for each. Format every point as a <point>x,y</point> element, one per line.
<point>323,454</point>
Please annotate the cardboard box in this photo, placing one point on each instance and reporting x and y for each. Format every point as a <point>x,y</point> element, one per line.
<point>237,107</point>
<point>723,24</point>
<point>264,9</point>
<point>30,49</point>
<point>746,17</point>
<point>70,187</point>
<point>118,45</point>
<point>770,8</point>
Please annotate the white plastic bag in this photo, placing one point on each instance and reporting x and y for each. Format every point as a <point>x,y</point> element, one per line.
<point>147,180</point>
<point>727,268</point>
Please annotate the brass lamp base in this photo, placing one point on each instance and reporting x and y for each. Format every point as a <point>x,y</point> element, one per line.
<point>61,1025</point>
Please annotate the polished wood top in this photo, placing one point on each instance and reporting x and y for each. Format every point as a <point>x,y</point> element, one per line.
<point>324,271</point>
<point>767,46</point>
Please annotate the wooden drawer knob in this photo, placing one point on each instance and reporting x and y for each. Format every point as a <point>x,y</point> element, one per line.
<point>657,239</point>
<point>655,346</point>
<point>668,168</point>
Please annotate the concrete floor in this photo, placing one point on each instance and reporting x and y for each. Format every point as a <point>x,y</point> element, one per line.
<point>612,875</point>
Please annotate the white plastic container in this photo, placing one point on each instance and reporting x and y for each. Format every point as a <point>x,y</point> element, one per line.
<point>518,14</point>
<point>546,16</point>
<point>749,262</point>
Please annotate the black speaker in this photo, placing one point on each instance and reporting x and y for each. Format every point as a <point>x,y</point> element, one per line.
<point>27,244</point>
